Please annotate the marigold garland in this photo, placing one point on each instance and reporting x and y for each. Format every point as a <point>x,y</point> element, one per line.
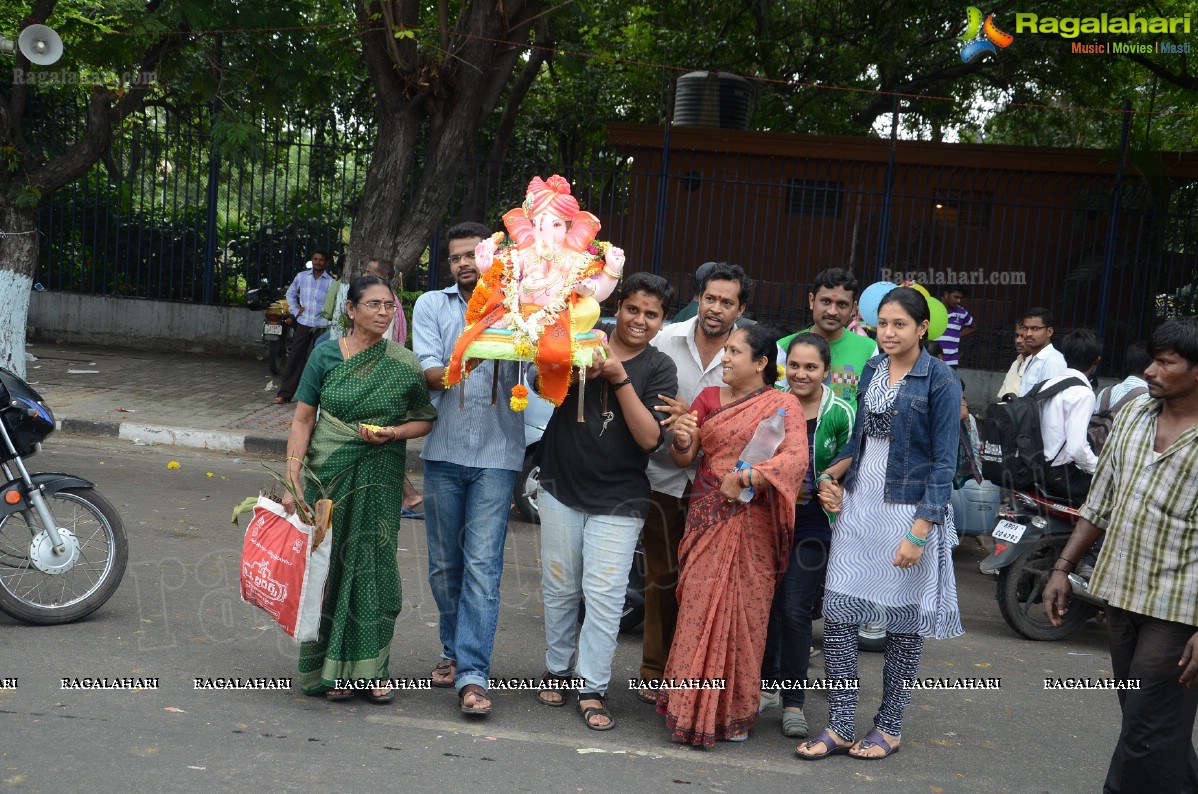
<point>519,399</point>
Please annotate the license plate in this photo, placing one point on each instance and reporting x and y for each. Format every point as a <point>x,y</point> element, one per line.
<point>272,330</point>
<point>1008,531</point>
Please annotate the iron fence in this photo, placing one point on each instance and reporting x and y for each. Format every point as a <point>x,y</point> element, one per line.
<point>1011,232</point>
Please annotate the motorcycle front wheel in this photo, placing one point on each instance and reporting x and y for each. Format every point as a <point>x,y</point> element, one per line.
<point>29,593</point>
<point>1021,587</point>
<point>276,355</point>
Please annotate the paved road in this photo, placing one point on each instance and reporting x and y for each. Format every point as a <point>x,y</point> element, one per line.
<point>177,616</point>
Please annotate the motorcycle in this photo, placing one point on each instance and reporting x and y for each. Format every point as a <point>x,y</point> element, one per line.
<point>63,550</point>
<point>279,325</point>
<point>1031,531</point>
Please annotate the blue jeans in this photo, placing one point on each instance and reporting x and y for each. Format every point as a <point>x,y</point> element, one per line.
<point>583,555</point>
<point>788,643</point>
<point>465,513</point>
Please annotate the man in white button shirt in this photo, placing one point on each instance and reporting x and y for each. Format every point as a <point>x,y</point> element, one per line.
<point>1065,417</point>
<point>1041,360</point>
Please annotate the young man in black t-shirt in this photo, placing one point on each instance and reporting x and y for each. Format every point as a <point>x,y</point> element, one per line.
<point>595,494</point>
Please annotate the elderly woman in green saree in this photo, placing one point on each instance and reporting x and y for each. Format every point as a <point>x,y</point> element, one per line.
<point>371,397</point>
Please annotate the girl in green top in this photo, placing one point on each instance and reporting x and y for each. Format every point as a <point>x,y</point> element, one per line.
<point>830,423</point>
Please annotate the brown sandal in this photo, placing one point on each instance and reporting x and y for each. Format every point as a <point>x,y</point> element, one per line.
<point>475,710</point>
<point>444,673</point>
<point>557,685</point>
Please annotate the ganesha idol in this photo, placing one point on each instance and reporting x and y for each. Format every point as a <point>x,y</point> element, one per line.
<point>538,298</point>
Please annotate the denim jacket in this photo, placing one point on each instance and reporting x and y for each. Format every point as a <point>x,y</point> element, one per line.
<point>925,424</point>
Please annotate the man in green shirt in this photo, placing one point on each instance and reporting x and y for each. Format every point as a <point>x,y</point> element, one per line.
<point>1144,495</point>
<point>833,304</point>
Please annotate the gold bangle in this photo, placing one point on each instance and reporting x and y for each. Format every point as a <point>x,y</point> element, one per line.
<point>608,272</point>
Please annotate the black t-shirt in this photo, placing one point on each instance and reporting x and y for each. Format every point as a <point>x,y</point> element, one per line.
<point>602,471</point>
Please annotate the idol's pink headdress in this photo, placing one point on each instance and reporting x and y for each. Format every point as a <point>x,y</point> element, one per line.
<point>551,195</point>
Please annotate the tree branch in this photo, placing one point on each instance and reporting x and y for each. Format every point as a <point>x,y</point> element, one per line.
<point>1179,79</point>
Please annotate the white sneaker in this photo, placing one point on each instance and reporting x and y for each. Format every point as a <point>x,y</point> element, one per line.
<point>770,700</point>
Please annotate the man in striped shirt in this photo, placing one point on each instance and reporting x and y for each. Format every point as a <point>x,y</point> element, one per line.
<point>1145,496</point>
<point>960,325</point>
<point>305,298</point>
<point>471,460</point>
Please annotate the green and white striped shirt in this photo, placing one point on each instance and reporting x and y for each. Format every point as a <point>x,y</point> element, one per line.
<point>1148,505</point>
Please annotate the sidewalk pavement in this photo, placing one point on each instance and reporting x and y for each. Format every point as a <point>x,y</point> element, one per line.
<point>187,399</point>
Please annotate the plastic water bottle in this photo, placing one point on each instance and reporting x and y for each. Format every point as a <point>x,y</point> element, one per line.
<point>762,446</point>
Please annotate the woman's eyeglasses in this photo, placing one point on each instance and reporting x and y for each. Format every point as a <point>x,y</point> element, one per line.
<point>374,306</point>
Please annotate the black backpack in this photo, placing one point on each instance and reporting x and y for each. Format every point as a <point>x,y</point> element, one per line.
<point>1012,447</point>
<point>1104,418</point>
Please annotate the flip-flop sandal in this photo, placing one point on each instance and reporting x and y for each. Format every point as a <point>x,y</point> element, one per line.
<point>386,697</point>
<point>742,737</point>
<point>408,512</point>
<point>335,695</point>
<point>875,739</point>
<point>596,711</point>
<point>549,690</point>
<point>647,695</point>
<point>445,669</point>
<point>826,738</point>
<point>474,711</point>
<point>280,401</point>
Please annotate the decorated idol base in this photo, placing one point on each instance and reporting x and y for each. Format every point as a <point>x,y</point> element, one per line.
<point>500,343</point>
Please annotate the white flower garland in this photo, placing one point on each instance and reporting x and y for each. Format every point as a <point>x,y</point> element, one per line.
<point>529,330</point>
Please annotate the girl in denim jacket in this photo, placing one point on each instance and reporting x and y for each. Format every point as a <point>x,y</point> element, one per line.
<point>891,553</point>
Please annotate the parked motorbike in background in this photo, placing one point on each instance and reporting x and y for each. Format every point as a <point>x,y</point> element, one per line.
<point>62,545</point>
<point>279,325</point>
<point>1029,536</point>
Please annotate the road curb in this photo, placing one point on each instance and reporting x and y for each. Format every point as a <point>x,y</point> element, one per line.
<point>215,440</point>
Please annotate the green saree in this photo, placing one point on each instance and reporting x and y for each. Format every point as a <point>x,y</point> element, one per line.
<point>382,385</point>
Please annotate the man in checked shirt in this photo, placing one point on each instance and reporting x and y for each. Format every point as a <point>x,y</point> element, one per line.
<point>1145,496</point>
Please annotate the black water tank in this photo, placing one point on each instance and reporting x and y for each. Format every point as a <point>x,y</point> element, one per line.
<point>711,99</point>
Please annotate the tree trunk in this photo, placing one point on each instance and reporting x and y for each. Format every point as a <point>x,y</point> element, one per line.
<point>376,223</point>
<point>18,260</point>
<point>440,105</point>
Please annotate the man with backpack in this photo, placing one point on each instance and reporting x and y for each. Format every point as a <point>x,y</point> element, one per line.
<point>1133,385</point>
<point>1065,420</point>
<point>1039,438</point>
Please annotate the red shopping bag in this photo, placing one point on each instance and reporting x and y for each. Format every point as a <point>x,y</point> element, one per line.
<point>281,573</point>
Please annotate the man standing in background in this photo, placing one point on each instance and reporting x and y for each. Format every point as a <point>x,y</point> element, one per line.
<point>960,325</point>
<point>305,298</point>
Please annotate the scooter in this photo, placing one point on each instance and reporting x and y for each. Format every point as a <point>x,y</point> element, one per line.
<point>278,326</point>
<point>62,546</point>
<point>1029,535</point>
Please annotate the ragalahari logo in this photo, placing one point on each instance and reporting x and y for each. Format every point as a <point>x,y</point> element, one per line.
<point>981,37</point>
